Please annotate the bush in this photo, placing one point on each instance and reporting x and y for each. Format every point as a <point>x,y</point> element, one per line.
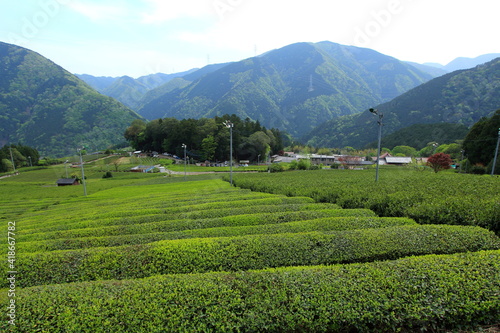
<point>108,174</point>
<point>304,164</point>
<point>425,197</point>
<point>250,252</point>
<point>427,293</point>
<point>276,167</point>
<point>478,169</point>
<point>321,224</point>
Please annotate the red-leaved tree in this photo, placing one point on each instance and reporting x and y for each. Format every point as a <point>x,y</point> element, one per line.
<point>439,161</point>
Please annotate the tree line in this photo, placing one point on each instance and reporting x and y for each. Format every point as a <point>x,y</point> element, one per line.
<point>207,139</point>
<point>19,154</point>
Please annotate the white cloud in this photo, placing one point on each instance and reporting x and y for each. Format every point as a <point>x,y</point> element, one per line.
<point>182,34</point>
<point>160,11</point>
<point>99,11</point>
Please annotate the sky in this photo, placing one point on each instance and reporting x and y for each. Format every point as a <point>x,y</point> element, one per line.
<point>141,37</point>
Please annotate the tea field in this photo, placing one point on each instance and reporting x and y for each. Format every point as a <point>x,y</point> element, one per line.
<point>426,197</point>
<point>149,253</point>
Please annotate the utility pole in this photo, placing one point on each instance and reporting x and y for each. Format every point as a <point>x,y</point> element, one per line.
<point>83,173</point>
<point>230,125</point>
<point>12,159</point>
<point>379,122</point>
<point>496,155</point>
<point>185,171</point>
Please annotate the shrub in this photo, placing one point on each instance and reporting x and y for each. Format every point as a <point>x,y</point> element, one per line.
<point>304,164</point>
<point>478,169</point>
<point>422,196</point>
<point>276,167</point>
<point>321,224</point>
<point>250,252</point>
<point>108,174</point>
<point>427,293</point>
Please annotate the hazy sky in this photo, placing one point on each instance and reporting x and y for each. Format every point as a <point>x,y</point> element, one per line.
<point>140,37</point>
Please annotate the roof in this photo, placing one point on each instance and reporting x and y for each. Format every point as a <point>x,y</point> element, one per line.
<point>398,160</point>
<point>284,159</point>
<point>66,181</point>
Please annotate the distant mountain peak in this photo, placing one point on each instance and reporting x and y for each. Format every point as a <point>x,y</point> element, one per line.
<point>293,88</point>
<point>460,97</point>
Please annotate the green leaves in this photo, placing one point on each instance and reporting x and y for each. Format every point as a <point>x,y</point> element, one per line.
<point>252,252</point>
<point>443,198</point>
<point>428,292</point>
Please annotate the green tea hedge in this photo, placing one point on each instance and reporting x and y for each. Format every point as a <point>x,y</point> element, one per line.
<point>443,198</point>
<point>416,294</point>
<point>250,252</point>
<point>323,224</point>
<point>150,224</point>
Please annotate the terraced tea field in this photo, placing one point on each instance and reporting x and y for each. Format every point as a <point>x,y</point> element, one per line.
<point>158,255</point>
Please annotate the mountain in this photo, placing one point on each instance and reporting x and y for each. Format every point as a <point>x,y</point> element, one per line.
<point>419,136</point>
<point>460,97</point>
<point>128,90</point>
<point>44,106</point>
<point>464,63</point>
<point>434,70</point>
<point>99,83</point>
<point>295,88</point>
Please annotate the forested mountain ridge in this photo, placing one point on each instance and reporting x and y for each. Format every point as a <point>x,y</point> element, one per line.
<point>295,88</point>
<point>136,92</point>
<point>44,106</point>
<point>461,97</point>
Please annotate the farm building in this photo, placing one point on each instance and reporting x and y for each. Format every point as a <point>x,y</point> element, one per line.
<point>387,159</point>
<point>326,160</point>
<point>67,181</point>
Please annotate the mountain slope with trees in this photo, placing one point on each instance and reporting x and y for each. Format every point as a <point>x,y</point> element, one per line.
<point>419,136</point>
<point>136,92</point>
<point>461,97</point>
<point>44,106</point>
<point>480,143</point>
<point>295,88</point>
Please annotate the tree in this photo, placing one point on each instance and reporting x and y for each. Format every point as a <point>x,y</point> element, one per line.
<point>439,161</point>
<point>404,151</point>
<point>208,146</point>
<point>135,133</point>
<point>480,142</point>
<point>116,164</point>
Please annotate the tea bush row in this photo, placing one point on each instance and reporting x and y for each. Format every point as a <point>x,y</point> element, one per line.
<point>323,224</point>
<point>86,208</point>
<point>443,198</point>
<point>149,215</point>
<point>185,224</point>
<point>416,294</point>
<point>250,252</point>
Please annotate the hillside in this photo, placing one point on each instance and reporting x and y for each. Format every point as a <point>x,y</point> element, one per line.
<point>460,97</point>
<point>135,92</point>
<point>44,106</point>
<point>418,136</point>
<point>294,88</point>
<point>466,63</point>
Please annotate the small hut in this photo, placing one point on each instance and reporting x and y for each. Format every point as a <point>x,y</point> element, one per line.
<point>67,181</point>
